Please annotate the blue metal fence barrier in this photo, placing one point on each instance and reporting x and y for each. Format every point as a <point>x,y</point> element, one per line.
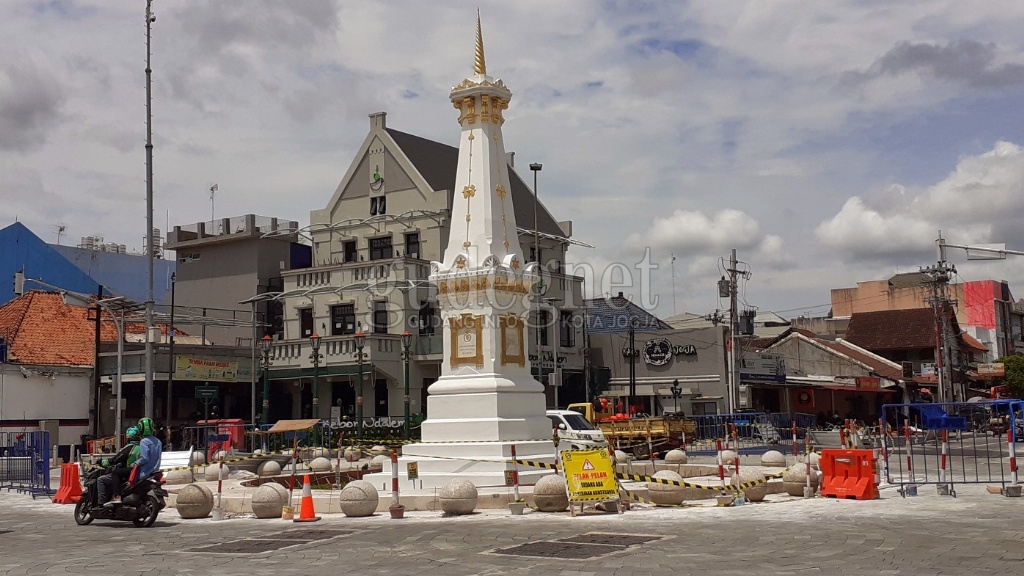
<point>745,433</point>
<point>949,443</point>
<point>25,462</point>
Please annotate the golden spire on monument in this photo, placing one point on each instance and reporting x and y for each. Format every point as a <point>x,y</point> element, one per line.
<point>479,65</point>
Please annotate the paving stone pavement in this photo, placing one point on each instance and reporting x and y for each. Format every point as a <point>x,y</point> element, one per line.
<point>976,533</point>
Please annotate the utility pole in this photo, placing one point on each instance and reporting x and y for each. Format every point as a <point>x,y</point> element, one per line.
<point>148,395</point>
<point>941,305</point>
<point>733,327</point>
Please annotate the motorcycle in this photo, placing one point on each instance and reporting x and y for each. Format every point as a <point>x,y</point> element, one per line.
<point>140,504</point>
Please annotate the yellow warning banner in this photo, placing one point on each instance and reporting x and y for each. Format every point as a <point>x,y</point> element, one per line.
<point>589,474</point>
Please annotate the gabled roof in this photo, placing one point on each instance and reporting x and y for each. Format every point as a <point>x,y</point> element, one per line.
<point>874,363</point>
<point>40,329</point>
<point>762,343</point>
<point>437,163</point>
<point>908,329</point>
<point>909,280</point>
<point>612,314</point>
<point>972,342</point>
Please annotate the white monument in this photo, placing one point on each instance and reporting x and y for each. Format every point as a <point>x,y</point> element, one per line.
<point>486,399</point>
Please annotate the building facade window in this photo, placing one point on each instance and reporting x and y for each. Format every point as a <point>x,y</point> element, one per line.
<point>306,322</point>
<point>349,248</point>
<point>412,245</point>
<point>428,319</point>
<point>378,205</point>
<point>380,317</point>
<point>343,319</point>
<point>381,248</point>
<point>566,330</point>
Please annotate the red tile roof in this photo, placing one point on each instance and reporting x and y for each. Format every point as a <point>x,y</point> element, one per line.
<point>908,329</point>
<point>879,366</point>
<point>40,329</point>
<point>973,342</point>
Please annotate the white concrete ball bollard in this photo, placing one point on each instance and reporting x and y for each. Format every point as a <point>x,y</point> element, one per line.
<point>353,454</point>
<point>378,450</point>
<point>267,501</point>
<point>177,477</point>
<point>458,496</point>
<point>814,457</point>
<point>377,462</point>
<point>358,498</point>
<point>257,452</point>
<point>197,459</point>
<point>728,457</point>
<point>795,480</point>
<point>773,458</point>
<point>754,493</point>
<point>666,493</point>
<point>269,468</point>
<point>194,501</point>
<point>621,457</point>
<point>320,465</point>
<point>220,455</point>
<point>676,457</point>
<point>215,472</point>
<point>319,453</point>
<point>550,494</point>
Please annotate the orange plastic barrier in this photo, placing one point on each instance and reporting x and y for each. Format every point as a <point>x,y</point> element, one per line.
<point>848,474</point>
<point>70,491</point>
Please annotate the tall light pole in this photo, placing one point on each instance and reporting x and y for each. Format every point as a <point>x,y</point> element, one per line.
<point>536,167</point>
<point>171,364</point>
<point>265,345</point>
<point>360,342</point>
<point>148,401</point>
<point>676,393</point>
<point>406,341</point>
<point>315,356</point>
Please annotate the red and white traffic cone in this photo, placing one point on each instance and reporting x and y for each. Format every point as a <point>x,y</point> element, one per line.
<point>306,512</point>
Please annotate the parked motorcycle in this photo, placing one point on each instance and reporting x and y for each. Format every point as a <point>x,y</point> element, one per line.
<point>139,504</point>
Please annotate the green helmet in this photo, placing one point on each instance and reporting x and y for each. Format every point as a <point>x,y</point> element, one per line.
<point>132,433</point>
<point>146,427</point>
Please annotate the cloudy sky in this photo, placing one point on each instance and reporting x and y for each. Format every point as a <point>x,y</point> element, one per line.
<point>827,142</point>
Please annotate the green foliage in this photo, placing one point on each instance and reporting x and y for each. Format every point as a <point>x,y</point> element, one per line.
<point>1014,378</point>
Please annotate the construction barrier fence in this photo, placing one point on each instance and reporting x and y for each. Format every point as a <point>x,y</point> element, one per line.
<point>949,443</point>
<point>25,462</point>
<point>745,433</point>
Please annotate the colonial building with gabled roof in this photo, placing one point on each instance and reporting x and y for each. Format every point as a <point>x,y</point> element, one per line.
<point>372,247</point>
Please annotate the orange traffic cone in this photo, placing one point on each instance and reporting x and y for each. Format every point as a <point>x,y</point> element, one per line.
<point>306,512</point>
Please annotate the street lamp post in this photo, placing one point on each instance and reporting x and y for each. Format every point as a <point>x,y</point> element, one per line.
<point>631,352</point>
<point>535,167</point>
<point>265,345</point>
<point>316,357</point>
<point>676,393</point>
<point>406,341</point>
<point>360,342</point>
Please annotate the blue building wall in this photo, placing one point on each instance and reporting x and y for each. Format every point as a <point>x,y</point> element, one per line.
<point>77,269</point>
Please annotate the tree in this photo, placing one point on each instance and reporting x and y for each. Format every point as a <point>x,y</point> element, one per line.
<point>1014,379</point>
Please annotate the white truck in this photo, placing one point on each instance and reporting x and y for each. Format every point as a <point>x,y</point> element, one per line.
<point>574,431</point>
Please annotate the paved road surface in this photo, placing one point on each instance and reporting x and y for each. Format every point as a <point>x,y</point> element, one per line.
<point>976,533</point>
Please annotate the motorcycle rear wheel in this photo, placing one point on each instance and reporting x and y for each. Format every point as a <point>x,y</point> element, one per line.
<point>152,508</point>
<point>83,512</point>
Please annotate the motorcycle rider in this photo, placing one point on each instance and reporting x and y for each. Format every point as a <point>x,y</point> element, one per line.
<point>109,484</point>
<point>150,450</point>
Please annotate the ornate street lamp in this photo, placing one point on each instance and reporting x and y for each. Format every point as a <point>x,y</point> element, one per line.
<point>316,357</point>
<point>360,357</point>
<point>676,393</point>
<point>406,341</point>
<point>632,353</point>
<point>265,345</point>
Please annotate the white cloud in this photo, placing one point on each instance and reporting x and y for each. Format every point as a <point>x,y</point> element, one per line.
<point>691,231</point>
<point>979,202</point>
